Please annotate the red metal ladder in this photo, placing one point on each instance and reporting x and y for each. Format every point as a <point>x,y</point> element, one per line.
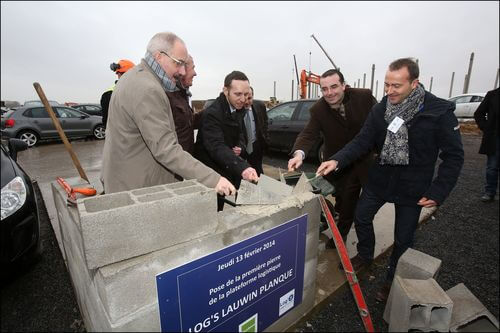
<point>349,271</point>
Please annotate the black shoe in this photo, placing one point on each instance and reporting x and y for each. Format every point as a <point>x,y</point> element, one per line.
<point>487,198</point>
<point>383,292</point>
<point>357,263</point>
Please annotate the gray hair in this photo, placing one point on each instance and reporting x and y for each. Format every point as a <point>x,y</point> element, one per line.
<point>163,41</point>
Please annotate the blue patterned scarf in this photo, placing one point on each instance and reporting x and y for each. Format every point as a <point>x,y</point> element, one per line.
<point>168,85</point>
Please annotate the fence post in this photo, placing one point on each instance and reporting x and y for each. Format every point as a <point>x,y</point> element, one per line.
<point>451,84</point>
<point>469,72</point>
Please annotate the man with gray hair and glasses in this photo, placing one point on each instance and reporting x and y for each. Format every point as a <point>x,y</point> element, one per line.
<point>141,147</point>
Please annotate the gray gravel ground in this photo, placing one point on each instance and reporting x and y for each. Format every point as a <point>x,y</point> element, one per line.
<point>464,235</point>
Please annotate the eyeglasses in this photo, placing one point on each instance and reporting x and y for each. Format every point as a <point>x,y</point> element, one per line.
<point>178,62</point>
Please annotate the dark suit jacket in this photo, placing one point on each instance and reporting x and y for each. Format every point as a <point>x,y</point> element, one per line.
<point>260,116</point>
<point>220,130</point>
<point>486,117</point>
<point>336,130</point>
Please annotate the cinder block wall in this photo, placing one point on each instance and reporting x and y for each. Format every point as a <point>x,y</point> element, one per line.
<point>116,244</point>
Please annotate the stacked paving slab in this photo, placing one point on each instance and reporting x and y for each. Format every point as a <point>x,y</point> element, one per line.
<point>116,244</point>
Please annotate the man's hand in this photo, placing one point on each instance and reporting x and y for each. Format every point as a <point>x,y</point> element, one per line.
<point>250,174</point>
<point>237,150</point>
<point>295,162</point>
<point>224,187</point>
<point>326,167</point>
<point>427,203</point>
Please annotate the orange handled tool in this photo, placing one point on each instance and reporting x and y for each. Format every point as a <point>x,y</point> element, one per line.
<point>71,191</point>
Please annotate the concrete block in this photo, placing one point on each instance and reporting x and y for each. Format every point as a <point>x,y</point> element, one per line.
<point>469,314</point>
<point>419,305</point>
<point>122,296</point>
<point>122,225</point>
<point>303,185</point>
<point>274,186</point>
<point>416,265</point>
<point>116,282</point>
<point>251,194</point>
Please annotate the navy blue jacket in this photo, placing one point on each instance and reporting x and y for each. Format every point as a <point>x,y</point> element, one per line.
<point>433,131</point>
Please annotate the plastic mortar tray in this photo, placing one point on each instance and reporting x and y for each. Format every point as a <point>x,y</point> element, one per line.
<point>320,185</point>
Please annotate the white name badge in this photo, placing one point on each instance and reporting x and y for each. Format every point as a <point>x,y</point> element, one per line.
<point>395,124</point>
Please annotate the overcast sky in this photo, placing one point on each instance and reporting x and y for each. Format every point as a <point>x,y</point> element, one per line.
<point>68,46</point>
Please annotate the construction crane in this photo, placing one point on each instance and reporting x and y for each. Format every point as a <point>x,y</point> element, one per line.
<point>305,78</point>
<point>322,49</point>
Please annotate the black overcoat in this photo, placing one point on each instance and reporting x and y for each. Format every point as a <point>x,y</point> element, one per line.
<point>486,117</point>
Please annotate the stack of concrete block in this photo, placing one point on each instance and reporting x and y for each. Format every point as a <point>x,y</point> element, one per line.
<point>411,304</point>
<point>416,265</point>
<point>144,220</point>
<point>116,244</point>
<point>419,305</point>
<point>469,314</point>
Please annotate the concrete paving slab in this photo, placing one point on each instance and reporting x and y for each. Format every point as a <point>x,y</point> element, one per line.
<point>251,194</point>
<point>274,186</point>
<point>303,185</point>
<point>469,314</point>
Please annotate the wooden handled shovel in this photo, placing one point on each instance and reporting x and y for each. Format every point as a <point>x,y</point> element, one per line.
<point>59,129</point>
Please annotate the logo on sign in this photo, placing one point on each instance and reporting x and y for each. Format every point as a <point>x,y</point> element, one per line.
<point>287,301</point>
<point>249,325</point>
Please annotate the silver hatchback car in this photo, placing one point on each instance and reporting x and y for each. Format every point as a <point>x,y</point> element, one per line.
<point>33,123</point>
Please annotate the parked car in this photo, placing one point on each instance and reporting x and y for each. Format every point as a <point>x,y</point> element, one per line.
<point>467,104</point>
<point>20,228</point>
<point>90,109</point>
<point>286,121</point>
<point>39,103</point>
<point>32,124</point>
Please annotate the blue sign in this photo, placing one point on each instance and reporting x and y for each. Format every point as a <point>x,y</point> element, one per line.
<point>244,287</point>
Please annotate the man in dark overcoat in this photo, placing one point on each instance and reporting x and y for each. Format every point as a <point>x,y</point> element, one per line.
<point>486,117</point>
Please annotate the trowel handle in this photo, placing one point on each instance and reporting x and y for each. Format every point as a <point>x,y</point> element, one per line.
<point>85,191</point>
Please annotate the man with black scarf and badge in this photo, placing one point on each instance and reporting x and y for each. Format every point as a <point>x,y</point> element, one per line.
<point>409,129</point>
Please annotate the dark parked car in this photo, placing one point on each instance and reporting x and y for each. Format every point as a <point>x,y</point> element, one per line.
<point>286,121</point>
<point>90,109</point>
<point>32,124</point>
<point>20,229</point>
